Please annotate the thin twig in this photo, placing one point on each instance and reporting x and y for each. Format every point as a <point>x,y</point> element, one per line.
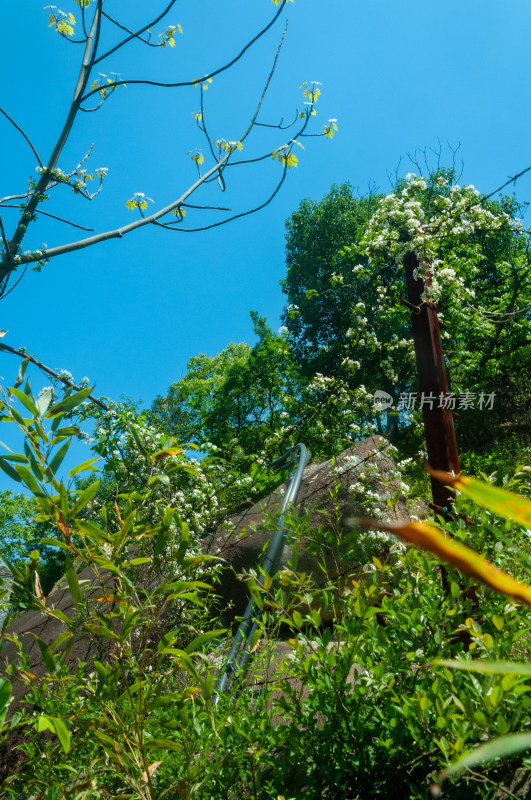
<point>52,373</point>
<point>511,180</point>
<point>26,137</point>
<point>127,30</point>
<point>495,784</point>
<point>3,292</point>
<point>134,35</point>
<point>208,208</point>
<point>4,239</point>
<point>54,216</point>
<point>195,81</point>
<point>170,227</point>
<point>280,126</point>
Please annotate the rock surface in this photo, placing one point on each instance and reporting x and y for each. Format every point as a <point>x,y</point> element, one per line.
<point>332,494</point>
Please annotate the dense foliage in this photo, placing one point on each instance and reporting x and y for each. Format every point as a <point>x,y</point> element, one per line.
<point>377,686</point>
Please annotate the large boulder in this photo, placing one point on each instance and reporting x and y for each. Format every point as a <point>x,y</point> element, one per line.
<point>357,483</point>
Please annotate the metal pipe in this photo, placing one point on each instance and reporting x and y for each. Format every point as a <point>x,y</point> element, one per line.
<point>253,613</point>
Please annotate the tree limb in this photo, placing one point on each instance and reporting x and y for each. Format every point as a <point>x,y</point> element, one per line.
<point>196,80</point>
<point>88,56</point>
<point>52,373</point>
<point>117,233</point>
<point>133,35</point>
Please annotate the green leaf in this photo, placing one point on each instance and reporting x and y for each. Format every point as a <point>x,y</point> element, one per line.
<point>59,456</point>
<point>5,694</point>
<point>62,733</point>
<point>28,478</point>
<point>68,403</point>
<point>8,469</point>
<point>62,433</point>
<point>85,497</point>
<point>138,440</point>
<point>73,583</point>
<point>199,641</point>
<point>499,501</point>
<point>297,619</point>
<point>502,747</point>
<point>86,465</point>
<point>487,667</point>
<point>36,468</point>
<point>44,400</point>
<point>22,371</point>
<point>26,401</point>
<point>47,654</point>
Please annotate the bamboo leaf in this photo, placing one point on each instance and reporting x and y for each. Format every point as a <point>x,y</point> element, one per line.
<point>5,694</point>
<point>86,465</point>
<point>73,583</point>
<point>458,555</point>
<point>487,667</point>
<point>499,501</point>
<point>502,747</point>
<point>199,641</point>
<point>27,477</point>
<point>44,400</point>
<point>8,469</point>
<point>46,653</point>
<point>68,403</point>
<point>21,372</point>
<point>26,401</point>
<point>85,497</point>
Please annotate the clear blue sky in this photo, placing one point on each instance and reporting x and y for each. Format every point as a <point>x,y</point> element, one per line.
<point>398,76</point>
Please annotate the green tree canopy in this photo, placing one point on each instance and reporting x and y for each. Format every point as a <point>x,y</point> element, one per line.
<point>345,284</point>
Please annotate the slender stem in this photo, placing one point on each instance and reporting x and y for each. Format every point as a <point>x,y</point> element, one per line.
<point>52,373</point>
<point>134,35</point>
<point>26,137</point>
<point>195,81</point>
<point>54,216</point>
<point>118,233</point>
<point>34,200</point>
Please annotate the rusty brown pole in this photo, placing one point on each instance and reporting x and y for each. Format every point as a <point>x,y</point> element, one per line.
<point>433,383</point>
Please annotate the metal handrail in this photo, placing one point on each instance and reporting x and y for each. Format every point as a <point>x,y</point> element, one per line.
<point>238,654</point>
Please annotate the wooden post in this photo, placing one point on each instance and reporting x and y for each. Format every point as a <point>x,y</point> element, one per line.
<point>438,422</point>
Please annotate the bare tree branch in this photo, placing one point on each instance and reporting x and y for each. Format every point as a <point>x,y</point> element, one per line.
<point>42,184</point>
<point>511,180</point>
<point>52,373</point>
<point>196,80</point>
<point>53,216</point>
<point>230,219</point>
<point>118,233</point>
<point>26,137</point>
<point>134,35</point>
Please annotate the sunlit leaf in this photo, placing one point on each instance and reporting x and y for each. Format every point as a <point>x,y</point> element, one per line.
<point>502,747</point>
<point>458,555</point>
<point>499,501</point>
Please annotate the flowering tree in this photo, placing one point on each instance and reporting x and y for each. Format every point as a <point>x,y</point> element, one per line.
<point>475,251</point>
<point>102,34</point>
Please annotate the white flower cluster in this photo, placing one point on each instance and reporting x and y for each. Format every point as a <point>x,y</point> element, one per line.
<point>404,223</point>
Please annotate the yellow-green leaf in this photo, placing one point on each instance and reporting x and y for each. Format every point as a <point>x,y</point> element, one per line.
<point>458,555</point>
<point>497,500</point>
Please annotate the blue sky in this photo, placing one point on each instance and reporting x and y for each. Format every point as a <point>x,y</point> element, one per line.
<point>129,314</point>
